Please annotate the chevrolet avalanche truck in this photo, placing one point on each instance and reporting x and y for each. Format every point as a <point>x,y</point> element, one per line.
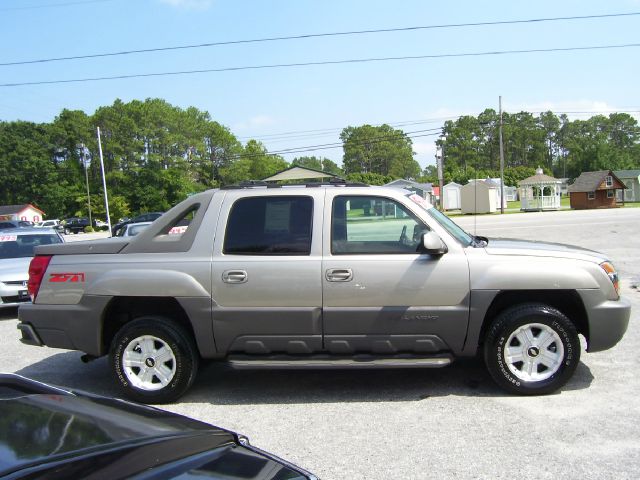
<point>342,275</point>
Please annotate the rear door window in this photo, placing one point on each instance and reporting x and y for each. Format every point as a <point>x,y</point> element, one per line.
<point>279,225</point>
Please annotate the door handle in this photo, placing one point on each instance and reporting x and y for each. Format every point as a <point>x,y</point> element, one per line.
<point>339,275</point>
<point>234,276</point>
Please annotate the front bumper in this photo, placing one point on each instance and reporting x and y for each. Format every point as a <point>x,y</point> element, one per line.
<point>608,319</point>
<point>13,294</point>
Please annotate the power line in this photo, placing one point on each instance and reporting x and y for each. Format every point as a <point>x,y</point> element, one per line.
<point>598,112</point>
<point>376,139</point>
<point>326,62</point>
<point>328,131</point>
<point>310,35</point>
<point>327,146</point>
<point>51,5</point>
<point>397,134</point>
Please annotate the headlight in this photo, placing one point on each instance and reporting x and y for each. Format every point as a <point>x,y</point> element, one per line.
<point>612,274</point>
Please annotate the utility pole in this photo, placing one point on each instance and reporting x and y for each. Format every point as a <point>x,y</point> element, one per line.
<point>86,176</point>
<point>501,160</point>
<point>104,182</point>
<point>440,164</point>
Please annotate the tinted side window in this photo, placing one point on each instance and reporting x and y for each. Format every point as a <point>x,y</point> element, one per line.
<point>269,226</point>
<point>373,225</point>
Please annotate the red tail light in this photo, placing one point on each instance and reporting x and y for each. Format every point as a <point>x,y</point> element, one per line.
<point>37,267</point>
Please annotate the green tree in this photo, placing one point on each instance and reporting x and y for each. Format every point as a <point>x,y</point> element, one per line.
<point>308,162</point>
<point>29,172</point>
<point>318,163</point>
<point>369,178</point>
<point>255,163</point>
<point>382,150</point>
<point>331,167</point>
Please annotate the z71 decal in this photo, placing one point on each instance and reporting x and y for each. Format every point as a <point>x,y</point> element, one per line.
<point>66,277</point>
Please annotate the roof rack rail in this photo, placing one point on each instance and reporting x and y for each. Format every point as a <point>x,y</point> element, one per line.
<point>334,182</point>
<point>249,184</point>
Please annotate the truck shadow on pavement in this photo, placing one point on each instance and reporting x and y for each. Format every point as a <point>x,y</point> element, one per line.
<point>219,384</point>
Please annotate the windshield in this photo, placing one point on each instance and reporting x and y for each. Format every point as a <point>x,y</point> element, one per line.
<point>16,246</point>
<point>134,230</point>
<point>449,225</point>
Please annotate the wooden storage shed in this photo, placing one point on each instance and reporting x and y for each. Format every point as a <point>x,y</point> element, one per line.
<point>478,197</point>
<point>631,180</point>
<point>451,196</point>
<point>595,190</point>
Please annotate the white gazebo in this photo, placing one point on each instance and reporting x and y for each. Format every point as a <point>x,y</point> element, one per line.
<point>540,192</point>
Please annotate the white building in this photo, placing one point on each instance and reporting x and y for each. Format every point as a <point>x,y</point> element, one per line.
<point>495,182</point>
<point>478,197</point>
<point>631,180</point>
<point>451,196</point>
<point>425,190</point>
<point>25,212</point>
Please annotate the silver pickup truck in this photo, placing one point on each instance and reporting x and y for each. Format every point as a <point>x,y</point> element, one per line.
<point>343,276</point>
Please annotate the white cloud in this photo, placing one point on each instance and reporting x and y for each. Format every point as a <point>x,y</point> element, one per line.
<point>253,125</point>
<point>189,4</point>
<point>261,121</point>
<point>444,113</point>
<point>425,152</point>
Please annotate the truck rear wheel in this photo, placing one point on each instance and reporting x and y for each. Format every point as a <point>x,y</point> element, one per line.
<point>154,360</point>
<point>532,349</point>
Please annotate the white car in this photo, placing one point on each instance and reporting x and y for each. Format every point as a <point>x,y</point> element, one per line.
<point>55,224</point>
<point>16,251</point>
<point>47,223</point>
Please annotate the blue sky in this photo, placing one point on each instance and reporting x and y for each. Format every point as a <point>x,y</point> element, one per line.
<point>261,103</point>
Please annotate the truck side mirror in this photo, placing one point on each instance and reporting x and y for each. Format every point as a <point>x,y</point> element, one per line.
<point>432,244</point>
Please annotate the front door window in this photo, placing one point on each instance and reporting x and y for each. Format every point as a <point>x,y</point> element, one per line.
<point>373,225</point>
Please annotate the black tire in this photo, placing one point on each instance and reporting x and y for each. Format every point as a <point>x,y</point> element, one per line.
<point>549,357</point>
<point>67,231</point>
<point>166,336</point>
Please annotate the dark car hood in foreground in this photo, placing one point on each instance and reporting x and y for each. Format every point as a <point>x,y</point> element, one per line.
<point>54,433</point>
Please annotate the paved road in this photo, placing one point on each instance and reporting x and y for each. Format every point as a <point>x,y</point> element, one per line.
<point>429,424</point>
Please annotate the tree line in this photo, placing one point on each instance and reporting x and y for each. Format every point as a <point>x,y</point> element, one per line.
<point>156,154</point>
<point>563,148</point>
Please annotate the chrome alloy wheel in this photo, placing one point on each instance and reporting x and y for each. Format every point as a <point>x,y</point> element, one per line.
<point>534,352</point>
<point>149,363</point>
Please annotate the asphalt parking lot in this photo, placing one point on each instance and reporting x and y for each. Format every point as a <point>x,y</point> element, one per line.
<point>422,424</point>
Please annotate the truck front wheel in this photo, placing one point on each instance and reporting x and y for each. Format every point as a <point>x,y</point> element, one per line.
<point>532,349</point>
<point>154,360</point>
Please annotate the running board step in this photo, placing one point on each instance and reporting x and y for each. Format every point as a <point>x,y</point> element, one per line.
<point>330,361</point>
